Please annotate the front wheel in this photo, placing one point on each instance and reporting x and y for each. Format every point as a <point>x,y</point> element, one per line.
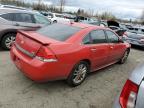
<point>7,41</point>
<point>125,56</point>
<point>78,74</point>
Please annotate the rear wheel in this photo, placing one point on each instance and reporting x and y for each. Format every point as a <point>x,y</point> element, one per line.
<point>7,41</point>
<point>78,74</point>
<point>125,56</point>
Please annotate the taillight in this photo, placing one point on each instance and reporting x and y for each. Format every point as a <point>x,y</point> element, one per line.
<point>129,95</point>
<point>46,55</point>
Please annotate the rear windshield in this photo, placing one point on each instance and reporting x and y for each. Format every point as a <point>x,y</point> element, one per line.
<point>59,32</point>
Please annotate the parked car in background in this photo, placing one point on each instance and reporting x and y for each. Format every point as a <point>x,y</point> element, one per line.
<point>137,30</point>
<point>12,20</point>
<point>12,7</point>
<point>83,19</point>
<point>57,18</point>
<point>116,26</point>
<point>132,95</point>
<point>67,51</point>
<point>69,16</point>
<point>135,39</point>
<point>45,13</point>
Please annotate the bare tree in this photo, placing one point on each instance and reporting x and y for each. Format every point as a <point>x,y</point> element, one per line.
<point>62,5</point>
<point>90,12</point>
<point>142,18</point>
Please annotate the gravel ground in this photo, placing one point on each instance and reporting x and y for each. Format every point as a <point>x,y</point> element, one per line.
<point>98,91</point>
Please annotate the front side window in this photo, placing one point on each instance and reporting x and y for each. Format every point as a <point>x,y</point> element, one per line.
<point>23,17</point>
<point>112,37</point>
<point>98,36</point>
<point>39,19</point>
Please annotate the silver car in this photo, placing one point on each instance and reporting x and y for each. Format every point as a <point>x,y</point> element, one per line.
<point>132,95</point>
<point>12,20</point>
<point>135,39</point>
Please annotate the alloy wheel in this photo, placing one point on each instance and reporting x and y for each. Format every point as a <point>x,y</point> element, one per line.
<point>9,40</point>
<point>80,73</point>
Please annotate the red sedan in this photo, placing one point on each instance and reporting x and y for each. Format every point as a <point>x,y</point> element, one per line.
<point>67,51</point>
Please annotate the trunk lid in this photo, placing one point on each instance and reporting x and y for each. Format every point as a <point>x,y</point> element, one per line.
<point>29,42</point>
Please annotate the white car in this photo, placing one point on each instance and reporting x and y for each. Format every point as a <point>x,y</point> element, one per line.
<point>57,18</point>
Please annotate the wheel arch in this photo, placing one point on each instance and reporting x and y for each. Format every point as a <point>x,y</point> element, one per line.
<point>7,32</point>
<point>87,60</point>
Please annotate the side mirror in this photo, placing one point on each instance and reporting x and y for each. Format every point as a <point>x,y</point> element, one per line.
<point>121,40</point>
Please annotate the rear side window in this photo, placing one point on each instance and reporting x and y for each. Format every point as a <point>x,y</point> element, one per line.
<point>8,16</point>
<point>98,36</point>
<point>23,17</point>
<point>59,32</point>
<point>112,37</point>
<point>87,39</point>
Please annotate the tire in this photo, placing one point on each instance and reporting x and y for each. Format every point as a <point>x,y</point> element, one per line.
<point>77,77</point>
<point>55,21</point>
<point>125,56</point>
<point>7,40</point>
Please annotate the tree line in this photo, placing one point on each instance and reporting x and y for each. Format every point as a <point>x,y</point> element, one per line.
<point>59,9</point>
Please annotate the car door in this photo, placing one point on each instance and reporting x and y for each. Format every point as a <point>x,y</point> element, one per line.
<point>24,21</point>
<point>99,49</point>
<point>116,47</point>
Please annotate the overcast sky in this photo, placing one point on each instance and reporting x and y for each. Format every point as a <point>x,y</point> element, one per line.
<point>121,8</point>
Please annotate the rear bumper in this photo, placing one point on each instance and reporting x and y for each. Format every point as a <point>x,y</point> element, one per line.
<point>37,70</point>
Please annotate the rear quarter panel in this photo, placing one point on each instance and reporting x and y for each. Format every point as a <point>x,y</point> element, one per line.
<point>69,55</point>
<point>140,96</point>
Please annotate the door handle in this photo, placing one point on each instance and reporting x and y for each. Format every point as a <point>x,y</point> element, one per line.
<point>93,49</point>
<point>112,47</point>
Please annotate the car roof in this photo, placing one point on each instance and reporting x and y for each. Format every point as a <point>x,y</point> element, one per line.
<point>10,10</point>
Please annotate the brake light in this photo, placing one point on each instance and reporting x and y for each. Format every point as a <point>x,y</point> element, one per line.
<point>129,95</point>
<point>46,55</point>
